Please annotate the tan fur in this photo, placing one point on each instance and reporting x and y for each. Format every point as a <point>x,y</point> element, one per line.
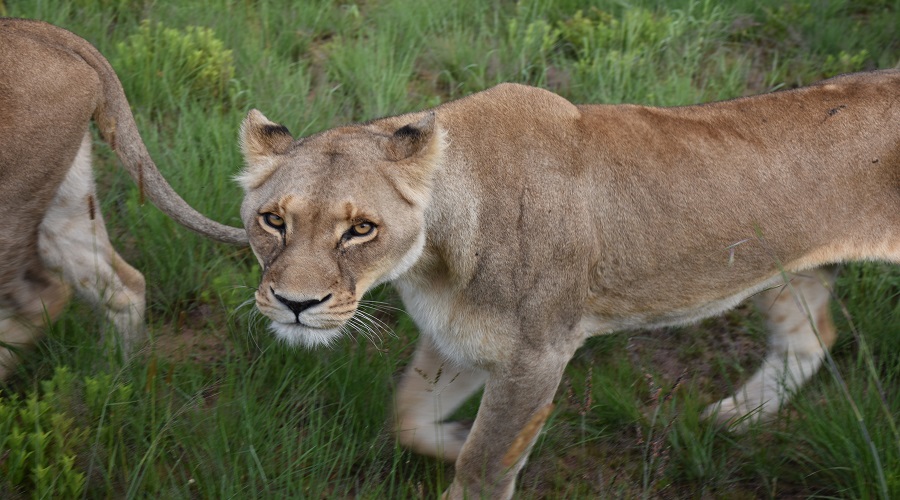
<point>539,223</point>
<point>52,236</point>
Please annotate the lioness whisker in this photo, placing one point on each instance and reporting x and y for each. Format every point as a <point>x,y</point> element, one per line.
<point>254,319</point>
<point>381,306</point>
<point>381,324</point>
<point>378,323</point>
<point>361,327</point>
<point>371,333</point>
<point>248,302</point>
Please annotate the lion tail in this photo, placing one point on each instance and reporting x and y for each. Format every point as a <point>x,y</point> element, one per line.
<point>117,127</point>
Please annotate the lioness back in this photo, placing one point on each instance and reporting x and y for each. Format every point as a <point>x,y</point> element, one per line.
<point>756,183</point>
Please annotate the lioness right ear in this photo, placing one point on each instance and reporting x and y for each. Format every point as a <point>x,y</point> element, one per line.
<point>415,150</point>
<point>261,140</point>
<point>411,138</point>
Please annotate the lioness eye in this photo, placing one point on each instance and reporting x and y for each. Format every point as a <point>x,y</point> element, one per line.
<point>274,221</point>
<point>361,229</point>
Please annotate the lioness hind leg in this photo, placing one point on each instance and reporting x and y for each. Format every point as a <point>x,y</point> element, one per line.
<point>73,241</point>
<point>39,296</point>
<point>13,334</point>
<point>800,332</point>
<point>126,307</point>
<point>431,389</point>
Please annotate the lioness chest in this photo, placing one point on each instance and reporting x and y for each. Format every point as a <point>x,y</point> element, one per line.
<point>464,332</point>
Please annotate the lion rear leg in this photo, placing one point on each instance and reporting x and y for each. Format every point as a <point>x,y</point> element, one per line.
<point>37,298</point>
<point>73,241</point>
<point>801,331</point>
<point>14,335</point>
<point>126,307</point>
<point>430,391</point>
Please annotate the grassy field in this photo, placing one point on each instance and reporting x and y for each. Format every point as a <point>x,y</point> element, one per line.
<point>215,408</point>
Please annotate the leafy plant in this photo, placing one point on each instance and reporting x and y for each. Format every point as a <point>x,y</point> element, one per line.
<point>40,441</point>
<point>169,65</point>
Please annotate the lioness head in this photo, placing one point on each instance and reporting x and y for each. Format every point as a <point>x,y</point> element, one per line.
<point>332,215</point>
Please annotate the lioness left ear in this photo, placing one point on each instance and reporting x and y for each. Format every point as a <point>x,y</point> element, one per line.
<point>411,139</point>
<point>261,140</point>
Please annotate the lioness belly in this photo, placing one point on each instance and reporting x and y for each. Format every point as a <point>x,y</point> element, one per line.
<point>598,322</point>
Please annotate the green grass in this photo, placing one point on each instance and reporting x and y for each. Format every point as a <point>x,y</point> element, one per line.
<point>217,408</point>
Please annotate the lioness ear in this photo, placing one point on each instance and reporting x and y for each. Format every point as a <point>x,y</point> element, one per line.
<point>416,151</point>
<point>411,139</point>
<point>261,140</point>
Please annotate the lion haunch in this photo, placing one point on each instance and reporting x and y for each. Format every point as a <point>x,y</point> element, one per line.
<point>515,224</point>
<point>52,235</point>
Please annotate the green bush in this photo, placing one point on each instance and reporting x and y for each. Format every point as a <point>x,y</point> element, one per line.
<point>40,440</point>
<point>598,31</point>
<point>160,64</point>
<point>44,437</point>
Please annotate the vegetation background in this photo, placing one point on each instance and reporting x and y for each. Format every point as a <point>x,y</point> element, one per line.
<point>213,407</point>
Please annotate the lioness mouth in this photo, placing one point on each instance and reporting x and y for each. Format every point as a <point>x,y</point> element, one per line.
<point>302,334</point>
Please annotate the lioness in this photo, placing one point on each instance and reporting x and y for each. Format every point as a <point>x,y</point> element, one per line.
<point>515,224</point>
<point>52,235</point>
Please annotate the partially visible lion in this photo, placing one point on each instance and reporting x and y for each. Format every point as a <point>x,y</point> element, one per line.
<point>52,236</point>
<point>515,224</point>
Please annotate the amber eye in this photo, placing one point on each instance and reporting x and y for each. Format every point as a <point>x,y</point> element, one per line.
<point>274,221</point>
<point>361,229</point>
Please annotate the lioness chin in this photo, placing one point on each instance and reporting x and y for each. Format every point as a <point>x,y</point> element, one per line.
<point>52,235</point>
<point>515,224</point>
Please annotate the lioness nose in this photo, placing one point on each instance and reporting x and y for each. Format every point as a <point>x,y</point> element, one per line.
<point>298,307</point>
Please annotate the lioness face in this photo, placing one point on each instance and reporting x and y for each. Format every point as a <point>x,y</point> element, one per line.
<point>330,216</point>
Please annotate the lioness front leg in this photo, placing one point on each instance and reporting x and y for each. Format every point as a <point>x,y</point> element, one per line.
<point>431,389</point>
<point>512,412</point>
<point>800,332</point>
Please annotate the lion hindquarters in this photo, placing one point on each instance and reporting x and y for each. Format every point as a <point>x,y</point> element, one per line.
<point>430,391</point>
<point>74,243</point>
<point>800,333</point>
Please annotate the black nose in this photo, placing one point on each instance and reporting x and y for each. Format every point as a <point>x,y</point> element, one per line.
<point>298,307</point>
